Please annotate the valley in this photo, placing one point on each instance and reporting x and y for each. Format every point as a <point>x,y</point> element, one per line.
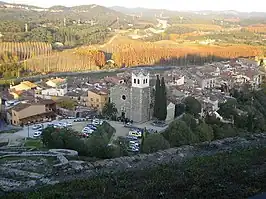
<point>93,37</point>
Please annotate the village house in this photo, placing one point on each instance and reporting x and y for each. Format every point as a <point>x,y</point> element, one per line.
<point>97,98</point>
<point>25,113</point>
<point>53,87</point>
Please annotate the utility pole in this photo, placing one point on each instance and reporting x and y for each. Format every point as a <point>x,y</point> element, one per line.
<point>64,22</point>
<point>26,27</point>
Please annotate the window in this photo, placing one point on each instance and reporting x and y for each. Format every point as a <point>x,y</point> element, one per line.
<point>138,81</point>
<point>144,81</point>
<point>97,105</point>
<point>135,81</point>
<point>123,97</point>
<point>92,99</point>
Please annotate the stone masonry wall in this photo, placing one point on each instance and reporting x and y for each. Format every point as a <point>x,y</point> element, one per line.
<point>138,162</point>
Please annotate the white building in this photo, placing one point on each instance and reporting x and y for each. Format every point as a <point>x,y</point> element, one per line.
<point>54,92</point>
<point>170,112</point>
<point>58,87</point>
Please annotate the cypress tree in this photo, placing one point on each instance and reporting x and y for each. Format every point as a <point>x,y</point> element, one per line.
<point>157,98</point>
<point>163,101</point>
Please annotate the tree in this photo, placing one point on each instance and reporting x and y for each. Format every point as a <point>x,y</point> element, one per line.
<point>179,109</point>
<point>109,110</point>
<point>160,101</point>
<point>155,142</point>
<point>67,104</point>
<point>190,121</point>
<point>163,101</point>
<point>192,106</point>
<point>223,131</point>
<point>97,145</point>
<point>205,132</point>
<point>178,134</point>
<point>63,139</point>
<point>228,109</point>
<point>157,98</point>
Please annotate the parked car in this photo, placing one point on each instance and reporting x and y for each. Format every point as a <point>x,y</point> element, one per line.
<point>128,125</point>
<point>87,130</point>
<point>131,137</point>
<point>97,122</point>
<point>91,126</point>
<point>133,149</point>
<point>134,144</point>
<point>135,133</point>
<point>68,124</point>
<point>85,135</point>
<point>50,125</point>
<point>37,127</point>
<point>159,123</point>
<point>37,134</point>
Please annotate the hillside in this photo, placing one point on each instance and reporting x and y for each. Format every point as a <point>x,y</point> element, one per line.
<point>84,37</point>
<point>28,13</point>
<point>204,13</point>
<point>229,168</point>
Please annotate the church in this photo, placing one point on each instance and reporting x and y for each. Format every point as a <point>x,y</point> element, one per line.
<point>133,101</point>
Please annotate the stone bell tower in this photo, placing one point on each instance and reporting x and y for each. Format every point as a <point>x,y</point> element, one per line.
<point>140,95</point>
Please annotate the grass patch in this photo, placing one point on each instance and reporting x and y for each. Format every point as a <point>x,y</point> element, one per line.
<point>33,143</point>
<point>10,131</point>
<point>239,174</point>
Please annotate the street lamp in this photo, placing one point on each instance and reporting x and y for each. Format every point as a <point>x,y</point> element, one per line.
<point>28,129</point>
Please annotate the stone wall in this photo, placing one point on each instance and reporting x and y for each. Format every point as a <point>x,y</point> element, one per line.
<point>138,162</point>
<point>27,173</point>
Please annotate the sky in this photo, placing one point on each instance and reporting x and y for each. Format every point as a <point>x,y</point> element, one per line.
<point>239,5</point>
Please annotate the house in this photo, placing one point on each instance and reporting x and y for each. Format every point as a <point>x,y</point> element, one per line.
<point>55,87</point>
<point>54,92</point>
<point>23,86</point>
<point>97,98</point>
<point>57,82</point>
<point>25,113</point>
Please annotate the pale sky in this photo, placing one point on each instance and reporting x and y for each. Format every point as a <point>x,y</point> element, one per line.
<point>239,5</point>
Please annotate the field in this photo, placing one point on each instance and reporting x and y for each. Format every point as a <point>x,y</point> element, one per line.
<point>202,27</point>
<point>129,52</point>
<point>258,28</point>
<point>25,50</point>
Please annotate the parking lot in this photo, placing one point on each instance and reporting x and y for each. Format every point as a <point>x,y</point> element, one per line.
<point>78,126</point>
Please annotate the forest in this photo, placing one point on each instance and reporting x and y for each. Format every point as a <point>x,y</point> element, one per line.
<point>70,36</point>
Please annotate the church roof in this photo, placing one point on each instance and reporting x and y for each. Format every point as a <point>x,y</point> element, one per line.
<point>139,72</point>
